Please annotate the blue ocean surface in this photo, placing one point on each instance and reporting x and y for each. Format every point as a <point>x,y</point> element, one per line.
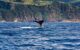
<point>28,36</point>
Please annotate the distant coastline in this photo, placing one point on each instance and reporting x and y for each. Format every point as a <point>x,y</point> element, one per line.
<point>56,12</point>
<point>66,20</point>
<point>71,20</point>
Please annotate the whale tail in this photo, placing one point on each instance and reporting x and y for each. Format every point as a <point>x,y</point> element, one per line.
<point>40,22</point>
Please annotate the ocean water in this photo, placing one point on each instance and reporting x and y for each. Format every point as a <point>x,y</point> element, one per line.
<point>28,36</point>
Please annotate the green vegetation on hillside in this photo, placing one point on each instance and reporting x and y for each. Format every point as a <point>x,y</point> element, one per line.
<point>26,10</point>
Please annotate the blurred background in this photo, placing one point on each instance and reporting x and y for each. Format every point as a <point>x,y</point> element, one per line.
<point>49,10</point>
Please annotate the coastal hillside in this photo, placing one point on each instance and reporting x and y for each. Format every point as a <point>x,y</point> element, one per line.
<point>49,10</point>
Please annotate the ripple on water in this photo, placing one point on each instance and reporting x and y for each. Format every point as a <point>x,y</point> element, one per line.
<point>54,36</point>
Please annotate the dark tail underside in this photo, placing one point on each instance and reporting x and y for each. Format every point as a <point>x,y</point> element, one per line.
<point>40,22</point>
